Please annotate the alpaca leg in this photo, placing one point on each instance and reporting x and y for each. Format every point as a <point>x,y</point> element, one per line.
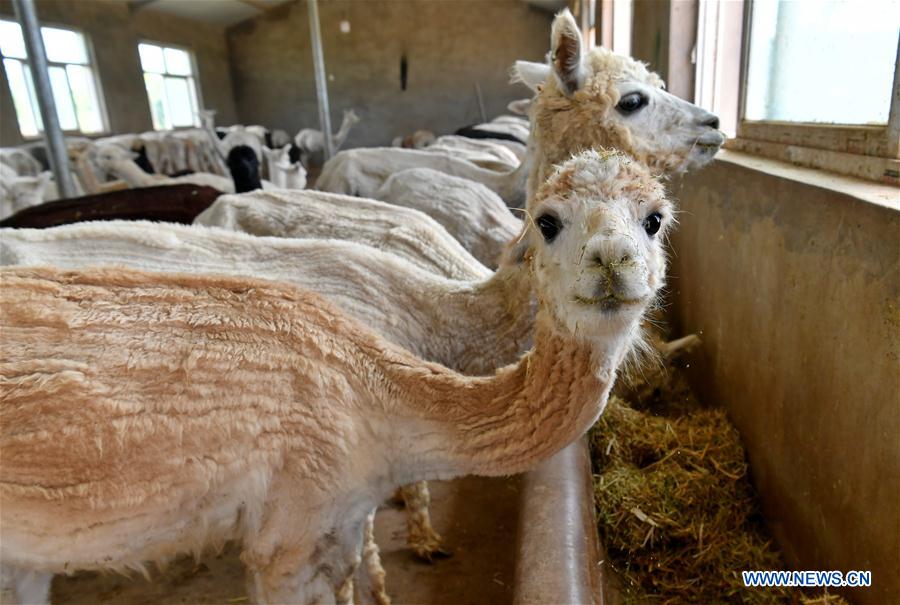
<point>286,553</point>
<point>24,586</point>
<point>370,578</point>
<point>347,560</point>
<point>421,536</point>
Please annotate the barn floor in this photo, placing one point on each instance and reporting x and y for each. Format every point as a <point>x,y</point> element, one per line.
<point>476,516</point>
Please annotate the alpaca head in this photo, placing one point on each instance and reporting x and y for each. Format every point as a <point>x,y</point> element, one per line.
<point>601,99</point>
<point>350,117</point>
<point>244,167</point>
<point>104,158</point>
<point>596,243</point>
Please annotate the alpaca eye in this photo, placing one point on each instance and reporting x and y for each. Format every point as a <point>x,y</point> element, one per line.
<point>549,226</point>
<point>630,103</point>
<point>652,223</point>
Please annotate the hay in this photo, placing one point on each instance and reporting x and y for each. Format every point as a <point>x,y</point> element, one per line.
<point>676,510</point>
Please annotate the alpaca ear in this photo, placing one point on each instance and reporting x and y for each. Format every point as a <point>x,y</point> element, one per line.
<point>530,74</point>
<point>566,52</point>
<point>519,107</point>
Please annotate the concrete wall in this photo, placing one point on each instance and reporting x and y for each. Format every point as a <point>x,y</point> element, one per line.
<point>795,289</point>
<point>449,46</point>
<point>114,34</point>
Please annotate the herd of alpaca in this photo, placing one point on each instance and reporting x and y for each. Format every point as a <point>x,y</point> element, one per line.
<point>222,378</point>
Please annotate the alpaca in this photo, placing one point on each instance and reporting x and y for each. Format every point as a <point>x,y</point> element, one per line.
<point>159,447</point>
<point>112,159</point>
<point>583,100</point>
<point>407,233</point>
<point>420,139</point>
<point>117,161</point>
<point>238,136</point>
<point>481,152</point>
<point>515,145</point>
<point>284,171</point>
<point>362,171</point>
<point>470,212</point>
<point>597,98</point>
<point>20,161</point>
<point>470,326</point>
<point>20,192</point>
<point>312,143</point>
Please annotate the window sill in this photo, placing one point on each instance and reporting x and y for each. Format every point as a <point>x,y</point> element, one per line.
<point>867,167</point>
<point>885,195</point>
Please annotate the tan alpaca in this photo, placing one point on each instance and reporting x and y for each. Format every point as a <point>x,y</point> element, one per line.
<point>151,414</point>
<point>472,326</point>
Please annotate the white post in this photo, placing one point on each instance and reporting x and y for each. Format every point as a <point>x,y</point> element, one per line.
<point>319,69</point>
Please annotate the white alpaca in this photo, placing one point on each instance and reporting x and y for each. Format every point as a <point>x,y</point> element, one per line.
<point>282,172</point>
<point>312,143</point>
<point>470,212</point>
<point>20,192</point>
<point>363,171</point>
<point>407,233</point>
<point>481,152</point>
<point>112,159</point>
<point>20,161</point>
<point>240,135</point>
<point>335,418</point>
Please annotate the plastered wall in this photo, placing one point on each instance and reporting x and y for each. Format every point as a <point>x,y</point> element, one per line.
<point>114,34</point>
<point>449,45</point>
<point>795,291</point>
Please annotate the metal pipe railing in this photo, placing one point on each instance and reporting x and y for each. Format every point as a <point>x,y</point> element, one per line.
<point>37,60</point>
<point>319,70</point>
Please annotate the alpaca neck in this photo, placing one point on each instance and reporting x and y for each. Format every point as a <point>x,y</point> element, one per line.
<point>213,137</point>
<point>506,423</point>
<point>498,318</point>
<point>510,186</point>
<point>132,174</point>
<point>341,135</point>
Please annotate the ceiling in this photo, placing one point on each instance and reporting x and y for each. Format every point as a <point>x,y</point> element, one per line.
<point>217,12</point>
<point>229,12</point>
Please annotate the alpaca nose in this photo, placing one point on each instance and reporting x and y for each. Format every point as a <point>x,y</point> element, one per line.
<point>710,120</point>
<point>613,252</point>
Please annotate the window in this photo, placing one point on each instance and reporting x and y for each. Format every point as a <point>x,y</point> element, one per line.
<point>171,89</point>
<point>826,62</point>
<point>72,80</point>
<point>818,83</point>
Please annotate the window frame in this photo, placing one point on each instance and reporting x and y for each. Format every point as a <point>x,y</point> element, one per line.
<point>195,76</point>
<point>91,65</point>
<point>871,152</point>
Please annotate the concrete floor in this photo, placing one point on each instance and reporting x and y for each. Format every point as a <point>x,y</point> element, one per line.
<point>476,516</point>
